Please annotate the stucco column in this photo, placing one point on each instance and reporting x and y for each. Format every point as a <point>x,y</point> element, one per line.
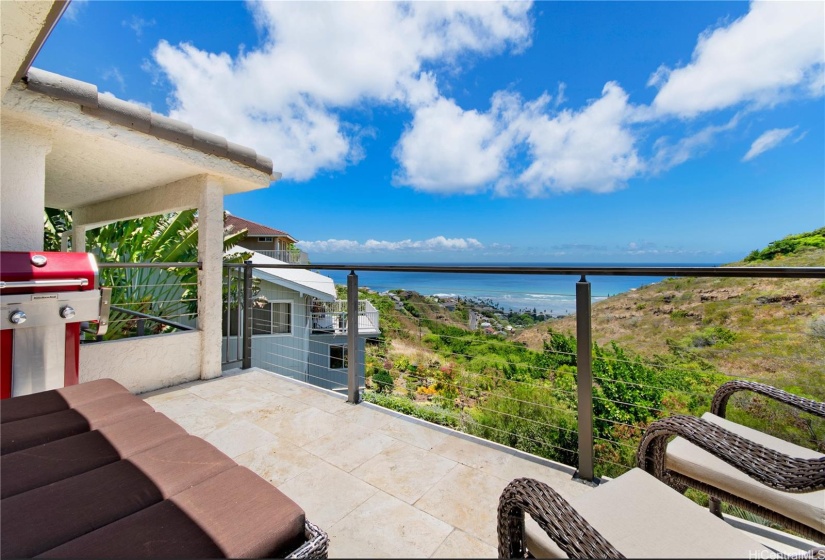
<point>210,253</point>
<point>23,186</point>
<point>79,238</point>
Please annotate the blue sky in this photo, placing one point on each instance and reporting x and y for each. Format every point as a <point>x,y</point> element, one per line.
<point>487,132</point>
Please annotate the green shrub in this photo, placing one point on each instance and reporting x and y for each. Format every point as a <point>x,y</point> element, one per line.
<point>711,336</point>
<point>383,381</point>
<point>789,245</point>
<point>433,414</point>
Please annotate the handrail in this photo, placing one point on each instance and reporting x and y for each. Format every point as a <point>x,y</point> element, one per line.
<point>45,283</point>
<point>681,271</point>
<point>198,265</point>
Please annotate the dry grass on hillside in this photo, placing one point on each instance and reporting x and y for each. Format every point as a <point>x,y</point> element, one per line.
<point>778,326</point>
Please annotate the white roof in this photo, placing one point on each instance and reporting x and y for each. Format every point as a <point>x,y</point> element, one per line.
<point>298,279</point>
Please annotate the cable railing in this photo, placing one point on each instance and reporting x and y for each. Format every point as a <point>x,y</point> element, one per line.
<point>149,299</point>
<point>578,398</point>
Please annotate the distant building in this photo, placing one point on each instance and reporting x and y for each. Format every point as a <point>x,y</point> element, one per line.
<point>267,241</point>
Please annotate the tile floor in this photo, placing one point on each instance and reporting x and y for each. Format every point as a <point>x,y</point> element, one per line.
<point>382,485</point>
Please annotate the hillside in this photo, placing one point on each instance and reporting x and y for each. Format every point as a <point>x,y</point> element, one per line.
<point>766,329</point>
<point>662,349</point>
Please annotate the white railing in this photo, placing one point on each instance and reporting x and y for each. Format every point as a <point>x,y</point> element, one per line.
<point>331,317</point>
<point>288,256</point>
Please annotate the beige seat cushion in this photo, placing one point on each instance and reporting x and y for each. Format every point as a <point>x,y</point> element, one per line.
<point>685,458</point>
<point>644,518</point>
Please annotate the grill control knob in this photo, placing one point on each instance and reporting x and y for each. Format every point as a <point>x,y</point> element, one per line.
<point>67,312</point>
<point>18,317</point>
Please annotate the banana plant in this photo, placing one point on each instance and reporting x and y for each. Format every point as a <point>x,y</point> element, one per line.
<point>170,293</point>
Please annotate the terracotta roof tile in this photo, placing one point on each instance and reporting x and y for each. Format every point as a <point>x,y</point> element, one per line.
<point>254,228</point>
<point>142,119</point>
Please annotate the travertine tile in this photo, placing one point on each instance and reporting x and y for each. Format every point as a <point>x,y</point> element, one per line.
<point>239,437</point>
<point>274,406</point>
<point>322,400</point>
<point>413,433</point>
<point>468,500</point>
<point>399,498</point>
<point>218,386</point>
<point>240,398</point>
<point>404,471</point>
<point>562,482</point>
<point>472,454</point>
<point>195,415</point>
<point>302,427</point>
<point>461,545</point>
<point>327,493</point>
<point>168,393</point>
<point>278,462</point>
<point>386,527</point>
<point>365,416</point>
<point>170,398</point>
<point>349,445</point>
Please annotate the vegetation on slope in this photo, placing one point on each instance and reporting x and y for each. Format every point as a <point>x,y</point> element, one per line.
<point>660,350</point>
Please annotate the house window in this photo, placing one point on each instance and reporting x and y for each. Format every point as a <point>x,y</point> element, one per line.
<point>337,357</point>
<point>265,239</point>
<point>273,318</point>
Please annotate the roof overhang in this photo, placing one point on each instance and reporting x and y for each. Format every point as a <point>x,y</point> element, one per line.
<point>94,158</point>
<point>301,280</point>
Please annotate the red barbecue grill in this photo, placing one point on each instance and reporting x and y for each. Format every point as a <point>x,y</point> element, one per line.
<point>44,298</point>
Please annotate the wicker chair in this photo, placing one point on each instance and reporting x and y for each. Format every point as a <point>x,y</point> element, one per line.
<point>634,516</point>
<point>772,478</point>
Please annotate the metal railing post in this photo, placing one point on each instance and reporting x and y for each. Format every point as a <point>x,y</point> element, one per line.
<point>584,378</point>
<point>247,315</point>
<point>353,395</point>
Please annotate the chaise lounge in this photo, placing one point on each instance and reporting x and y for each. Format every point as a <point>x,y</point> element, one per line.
<point>93,471</point>
<point>775,479</point>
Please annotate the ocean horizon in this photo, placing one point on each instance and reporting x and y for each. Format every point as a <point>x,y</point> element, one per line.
<point>549,294</point>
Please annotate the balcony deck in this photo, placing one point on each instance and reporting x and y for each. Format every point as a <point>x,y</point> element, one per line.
<point>380,483</point>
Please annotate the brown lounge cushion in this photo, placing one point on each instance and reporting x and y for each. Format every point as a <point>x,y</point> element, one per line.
<point>109,477</point>
<point>80,504</point>
<point>235,514</point>
<point>47,402</point>
<point>51,462</point>
<point>90,415</point>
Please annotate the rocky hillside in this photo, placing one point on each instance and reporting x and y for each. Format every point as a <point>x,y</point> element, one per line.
<point>766,329</point>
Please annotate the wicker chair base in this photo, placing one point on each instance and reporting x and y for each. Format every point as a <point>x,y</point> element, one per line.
<point>316,545</point>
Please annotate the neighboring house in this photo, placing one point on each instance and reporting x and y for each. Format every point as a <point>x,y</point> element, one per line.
<point>299,329</point>
<point>267,241</point>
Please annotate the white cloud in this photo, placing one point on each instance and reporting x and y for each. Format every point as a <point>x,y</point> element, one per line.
<point>74,9</point>
<point>138,24</point>
<point>114,74</point>
<point>667,154</point>
<point>591,149</point>
<point>774,51</point>
<point>439,243</point>
<point>767,141</point>
<point>321,57</point>
<point>449,150</point>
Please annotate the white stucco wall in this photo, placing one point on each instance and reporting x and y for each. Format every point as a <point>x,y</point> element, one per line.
<point>22,179</point>
<point>144,363</point>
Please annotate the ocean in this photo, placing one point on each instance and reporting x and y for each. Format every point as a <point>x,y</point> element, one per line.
<point>553,295</point>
